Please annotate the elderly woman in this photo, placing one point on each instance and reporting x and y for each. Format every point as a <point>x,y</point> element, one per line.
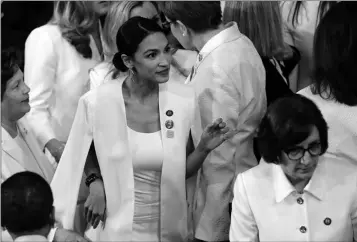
<point>295,194</point>
<point>20,150</point>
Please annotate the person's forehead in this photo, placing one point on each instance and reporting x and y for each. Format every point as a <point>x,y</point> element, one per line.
<point>146,10</point>
<point>17,76</point>
<point>153,41</point>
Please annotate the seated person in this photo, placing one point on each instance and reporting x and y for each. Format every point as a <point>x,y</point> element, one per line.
<point>295,193</point>
<point>20,150</point>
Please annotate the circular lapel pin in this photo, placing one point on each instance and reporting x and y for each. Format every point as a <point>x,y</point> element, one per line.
<point>169,113</point>
<point>169,124</point>
<point>327,221</point>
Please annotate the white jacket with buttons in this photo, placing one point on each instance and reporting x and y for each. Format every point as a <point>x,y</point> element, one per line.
<point>266,206</point>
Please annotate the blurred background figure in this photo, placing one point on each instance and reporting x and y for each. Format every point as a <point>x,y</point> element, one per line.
<point>334,86</point>
<point>261,22</point>
<point>300,19</point>
<point>58,57</point>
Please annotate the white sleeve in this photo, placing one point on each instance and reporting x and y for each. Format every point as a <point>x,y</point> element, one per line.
<point>243,225</point>
<point>40,77</point>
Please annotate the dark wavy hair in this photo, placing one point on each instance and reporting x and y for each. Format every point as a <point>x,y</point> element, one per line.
<point>335,55</point>
<point>76,20</point>
<point>288,122</point>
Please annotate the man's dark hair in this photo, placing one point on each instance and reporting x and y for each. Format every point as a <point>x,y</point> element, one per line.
<point>26,203</point>
<point>200,16</point>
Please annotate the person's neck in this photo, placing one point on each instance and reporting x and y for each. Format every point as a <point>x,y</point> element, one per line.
<point>8,124</point>
<point>41,232</point>
<point>199,40</point>
<point>140,89</point>
<point>299,184</point>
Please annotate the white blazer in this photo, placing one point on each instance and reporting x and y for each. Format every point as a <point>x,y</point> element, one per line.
<point>342,123</point>
<point>57,76</point>
<point>266,207</point>
<point>229,81</point>
<point>12,161</point>
<point>101,117</point>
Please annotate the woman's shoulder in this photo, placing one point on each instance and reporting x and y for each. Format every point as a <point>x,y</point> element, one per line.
<point>50,30</point>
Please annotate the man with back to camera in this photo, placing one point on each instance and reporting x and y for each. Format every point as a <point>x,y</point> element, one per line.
<point>229,81</point>
<point>27,211</point>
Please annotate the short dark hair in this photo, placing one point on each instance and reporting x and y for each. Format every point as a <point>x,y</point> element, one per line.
<point>200,16</point>
<point>26,203</point>
<point>288,122</point>
<point>129,37</point>
<point>335,55</point>
<point>11,61</point>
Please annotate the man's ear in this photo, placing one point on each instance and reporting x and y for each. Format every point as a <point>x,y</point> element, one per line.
<point>128,61</point>
<point>184,30</point>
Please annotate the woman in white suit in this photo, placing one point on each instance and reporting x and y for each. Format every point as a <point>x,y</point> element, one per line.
<point>58,57</point>
<point>140,124</point>
<point>334,87</point>
<point>295,194</point>
<point>20,150</point>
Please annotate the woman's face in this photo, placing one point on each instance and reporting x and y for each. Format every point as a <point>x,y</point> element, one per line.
<point>16,97</point>
<point>153,58</point>
<point>146,10</point>
<point>303,168</point>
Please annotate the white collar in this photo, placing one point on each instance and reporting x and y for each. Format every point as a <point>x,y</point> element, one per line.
<point>316,186</point>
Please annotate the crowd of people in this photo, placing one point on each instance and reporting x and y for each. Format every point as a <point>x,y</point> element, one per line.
<point>182,121</point>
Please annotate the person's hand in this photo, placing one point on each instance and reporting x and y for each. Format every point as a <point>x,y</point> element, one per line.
<point>64,235</point>
<point>214,135</point>
<point>95,205</point>
<point>55,147</point>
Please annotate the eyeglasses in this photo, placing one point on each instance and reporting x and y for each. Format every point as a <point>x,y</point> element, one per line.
<point>298,152</point>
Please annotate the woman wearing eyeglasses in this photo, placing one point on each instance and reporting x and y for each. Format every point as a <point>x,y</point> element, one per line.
<point>295,193</point>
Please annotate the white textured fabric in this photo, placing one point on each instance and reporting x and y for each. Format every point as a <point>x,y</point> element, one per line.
<point>266,207</point>
<point>342,126</point>
<point>229,82</point>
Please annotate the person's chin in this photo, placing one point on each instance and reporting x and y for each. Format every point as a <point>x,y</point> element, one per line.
<point>162,79</point>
